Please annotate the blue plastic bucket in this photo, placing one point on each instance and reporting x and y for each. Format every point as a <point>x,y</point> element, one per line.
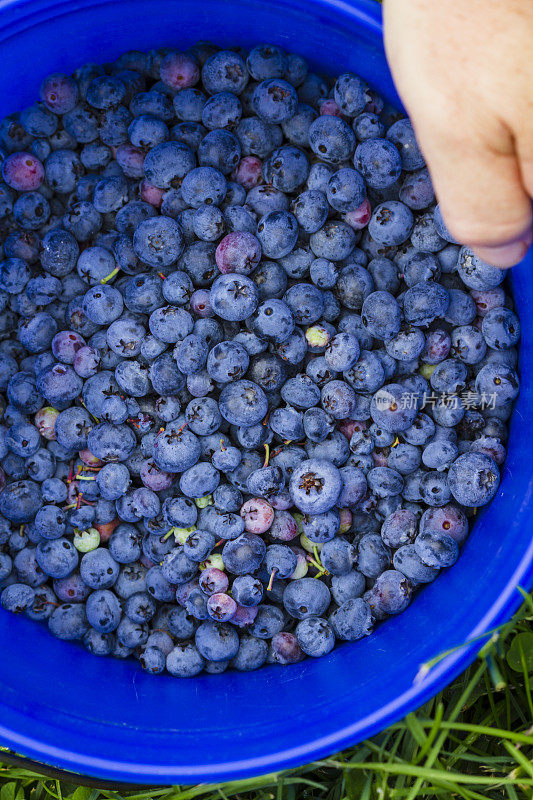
<point>107,718</point>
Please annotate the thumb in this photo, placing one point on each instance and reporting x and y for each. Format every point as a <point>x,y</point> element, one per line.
<point>481,195</point>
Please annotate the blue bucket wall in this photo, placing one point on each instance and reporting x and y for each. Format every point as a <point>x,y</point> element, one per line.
<point>107,718</point>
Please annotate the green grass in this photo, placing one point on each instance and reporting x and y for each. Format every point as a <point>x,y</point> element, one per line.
<point>474,741</point>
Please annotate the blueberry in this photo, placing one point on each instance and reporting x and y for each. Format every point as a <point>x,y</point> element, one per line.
<point>368,125</point>
<point>280,561</point>
<point>244,554</point>
<point>243,403</point>
<point>216,642</point>
<point>338,399</point>
<point>417,192</point>
<point>277,232</point>
<point>199,480</point>
<point>184,661</point>
<point>347,586</point>
<point>103,611</point>
<point>474,479</point>
<point>315,486</point>
<point>381,315</point>
<point>268,622</point>
<point>353,285</point>
<point>252,654</point>
<point>274,100</point>
<point>392,592</point>
<point>315,636</point>
<point>203,185</point>
<point>425,302</point>
<point>310,210</point>
<point>501,328</point>
<point>391,223</point>
<point>352,620</point>
<point>300,392</point>
<point>286,168</point>
<point>266,61</point>
<point>189,104</point>
<point>68,622</point>
<point>224,71</point>
<point>477,274</point>
<point>221,150</point>
<point>306,598</point>
<point>212,336</point>
<point>20,501</point>
<point>346,190</point>
<point>436,549</point>
<point>167,163</point>
<point>153,660</point>
<point>98,569</point>
<point>57,557</point>
<point>407,561</point>
<point>159,241</point>
<point>331,139</point>
<point>497,383</point>
<point>401,133</point>
<point>334,241</point>
<point>379,163</point>
<point>177,568</point>
<point>233,297</point>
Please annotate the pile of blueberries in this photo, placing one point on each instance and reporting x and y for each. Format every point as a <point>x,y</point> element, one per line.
<point>252,389</point>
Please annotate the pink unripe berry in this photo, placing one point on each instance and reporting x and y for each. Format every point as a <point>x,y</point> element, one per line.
<point>179,71</point>
<point>107,529</point>
<point>154,478</point>
<point>257,515</point>
<point>221,607</point>
<point>213,580</point>
<point>380,459</point>
<point>248,172</point>
<point>284,527</point>
<point>87,457</point>
<point>23,172</point>
<point>131,159</point>
<point>359,217</point>
<point>280,501</point>
<point>330,107</point>
<point>448,519</point>
<point>59,93</point>
<point>487,299</point>
<point>184,589</point>
<point>151,194</point>
<point>284,649</point>
<point>66,344</point>
<point>86,361</point>
<point>244,616</point>
<point>349,426</point>
<point>200,304</point>
<point>345,520</point>
<point>45,422</point>
<point>239,251</point>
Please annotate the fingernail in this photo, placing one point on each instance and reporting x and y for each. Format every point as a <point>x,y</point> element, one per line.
<point>506,255</point>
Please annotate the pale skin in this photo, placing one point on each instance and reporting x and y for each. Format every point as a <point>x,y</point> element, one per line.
<point>465,75</point>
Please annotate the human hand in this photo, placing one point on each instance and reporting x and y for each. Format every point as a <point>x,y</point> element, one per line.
<point>463,70</point>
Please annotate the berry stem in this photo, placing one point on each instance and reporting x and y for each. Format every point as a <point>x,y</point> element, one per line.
<point>110,276</point>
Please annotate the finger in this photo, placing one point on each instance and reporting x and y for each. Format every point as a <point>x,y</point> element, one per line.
<point>507,255</point>
<point>481,194</point>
